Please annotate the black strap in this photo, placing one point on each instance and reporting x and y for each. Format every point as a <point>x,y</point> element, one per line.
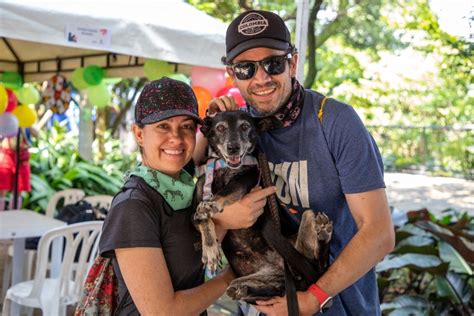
<point>290,289</point>
<point>121,303</point>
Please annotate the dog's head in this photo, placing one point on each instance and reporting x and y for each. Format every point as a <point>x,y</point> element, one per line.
<point>231,135</point>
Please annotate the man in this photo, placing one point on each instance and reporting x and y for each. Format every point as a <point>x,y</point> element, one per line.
<point>332,165</point>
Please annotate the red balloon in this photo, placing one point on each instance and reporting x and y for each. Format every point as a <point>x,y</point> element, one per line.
<point>12,101</point>
<point>232,91</point>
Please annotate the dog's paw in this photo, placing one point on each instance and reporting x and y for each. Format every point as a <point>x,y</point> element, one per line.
<point>237,291</point>
<point>323,227</point>
<point>206,210</point>
<point>211,257</point>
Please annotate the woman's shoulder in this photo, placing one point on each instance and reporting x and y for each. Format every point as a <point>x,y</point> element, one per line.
<point>136,190</point>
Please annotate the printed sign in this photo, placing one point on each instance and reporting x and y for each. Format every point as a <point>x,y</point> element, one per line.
<point>100,37</point>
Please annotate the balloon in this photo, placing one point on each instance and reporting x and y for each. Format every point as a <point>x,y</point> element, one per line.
<point>93,75</point>
<point>12,79</point>
<point>155,69</point>
<point>8,125</point>
<point>180,77</point>
<point>3,99</point>
<point>203,97</point>
<point>99,95</point>
<point>209,78</point>
<point>232,91</point>
<point>77,79</point>
<point>229,81</point>
<point>57,94</point>
<point>12,101</point>
<point>28,95</point>
<point>26,116</point>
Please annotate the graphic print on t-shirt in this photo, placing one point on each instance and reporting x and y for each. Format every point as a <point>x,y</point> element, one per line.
<point>291,181</point>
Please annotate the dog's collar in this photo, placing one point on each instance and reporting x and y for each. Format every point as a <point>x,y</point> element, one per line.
<point>214,164</point>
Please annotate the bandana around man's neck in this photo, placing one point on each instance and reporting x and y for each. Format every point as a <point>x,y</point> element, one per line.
<point>178,193</point>
<point>289,112</point>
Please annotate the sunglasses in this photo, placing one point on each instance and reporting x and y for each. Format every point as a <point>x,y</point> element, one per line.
<point>274,65</point>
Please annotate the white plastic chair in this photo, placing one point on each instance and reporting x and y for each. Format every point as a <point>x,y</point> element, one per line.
<point>53,295</point>
<point>68,196</point>
<point>99,201</point>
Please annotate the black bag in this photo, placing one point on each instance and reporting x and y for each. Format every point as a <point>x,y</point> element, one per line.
<point>81,211</point>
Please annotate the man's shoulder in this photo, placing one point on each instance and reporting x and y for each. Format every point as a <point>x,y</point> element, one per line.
<point>332,107</point>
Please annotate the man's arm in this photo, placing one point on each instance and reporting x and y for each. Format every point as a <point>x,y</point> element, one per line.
<point>374,239</point>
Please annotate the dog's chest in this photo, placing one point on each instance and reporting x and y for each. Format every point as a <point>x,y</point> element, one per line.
<point>223,176</point>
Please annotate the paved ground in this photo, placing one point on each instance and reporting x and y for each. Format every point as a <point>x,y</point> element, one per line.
<point>405,192</point>
<point>412,192</point>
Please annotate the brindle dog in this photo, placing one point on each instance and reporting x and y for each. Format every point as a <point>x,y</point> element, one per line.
<point>260,269</point>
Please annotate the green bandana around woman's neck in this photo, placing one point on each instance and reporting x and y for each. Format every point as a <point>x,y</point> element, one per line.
<point>178,193</point>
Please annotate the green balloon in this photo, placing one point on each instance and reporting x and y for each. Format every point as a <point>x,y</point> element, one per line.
<point>99,95</point>
<point>12,80</point>
<point>28,95</point>
<point>93,75</point>
<point>180,77</point>
<point>155,69</point>
<point>77,79</point>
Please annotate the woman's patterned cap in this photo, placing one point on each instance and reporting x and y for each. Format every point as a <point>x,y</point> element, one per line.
<point>165,98</point>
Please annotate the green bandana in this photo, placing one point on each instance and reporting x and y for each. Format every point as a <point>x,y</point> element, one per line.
<point>178,193</point>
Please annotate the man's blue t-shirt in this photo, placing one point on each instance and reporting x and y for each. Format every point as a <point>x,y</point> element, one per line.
<point>314,164</point>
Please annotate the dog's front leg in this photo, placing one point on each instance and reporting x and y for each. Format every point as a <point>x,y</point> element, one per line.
<point>210,246</point>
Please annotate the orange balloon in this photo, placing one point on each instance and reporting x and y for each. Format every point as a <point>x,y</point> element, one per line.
<point>203,97</point>
<point>229,82</point>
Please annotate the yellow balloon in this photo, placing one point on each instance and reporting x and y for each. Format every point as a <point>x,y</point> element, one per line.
<point>3,98</point>
<point>26,116</point>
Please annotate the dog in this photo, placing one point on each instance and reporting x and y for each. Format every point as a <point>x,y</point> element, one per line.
<point>255,254</point>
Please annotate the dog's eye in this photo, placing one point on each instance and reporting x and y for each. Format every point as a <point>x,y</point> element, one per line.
<point>244,127</point>
<point>220,128</point>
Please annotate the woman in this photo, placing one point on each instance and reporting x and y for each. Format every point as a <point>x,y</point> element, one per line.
<point>148,231</point>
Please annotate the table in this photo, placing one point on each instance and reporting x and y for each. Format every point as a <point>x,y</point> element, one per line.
<point>21,224</point>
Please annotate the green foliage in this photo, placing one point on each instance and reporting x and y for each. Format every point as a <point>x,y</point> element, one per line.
<point>429,272</point>
<point>56,165</point>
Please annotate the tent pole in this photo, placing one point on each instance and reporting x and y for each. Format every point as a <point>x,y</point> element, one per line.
<point>301,39</point>
<point>17,169</point>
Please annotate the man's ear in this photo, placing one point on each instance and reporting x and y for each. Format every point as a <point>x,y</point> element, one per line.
<point>293,65</point>
<point>206,127</point>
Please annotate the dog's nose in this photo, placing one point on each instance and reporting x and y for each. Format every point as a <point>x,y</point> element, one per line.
<point>233,148</point>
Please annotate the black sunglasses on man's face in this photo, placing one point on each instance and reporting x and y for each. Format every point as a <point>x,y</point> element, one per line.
<point>273,65</point>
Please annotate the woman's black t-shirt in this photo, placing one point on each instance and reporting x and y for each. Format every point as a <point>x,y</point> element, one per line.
<point>140,217</point>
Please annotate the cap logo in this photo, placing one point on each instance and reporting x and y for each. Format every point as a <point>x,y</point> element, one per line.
<point>252,24</point>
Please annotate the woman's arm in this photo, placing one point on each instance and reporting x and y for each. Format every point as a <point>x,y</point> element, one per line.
<point>149,283</point>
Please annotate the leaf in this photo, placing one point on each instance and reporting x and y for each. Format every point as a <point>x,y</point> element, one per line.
<point>417,302</point>
<point>456,262</point>
<point>415,262</point>
<point>404,311</point>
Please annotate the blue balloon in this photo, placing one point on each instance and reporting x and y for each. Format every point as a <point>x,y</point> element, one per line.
<point>8,125</point>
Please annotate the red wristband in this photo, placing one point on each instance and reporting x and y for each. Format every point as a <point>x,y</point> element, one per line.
<point>319,293</point>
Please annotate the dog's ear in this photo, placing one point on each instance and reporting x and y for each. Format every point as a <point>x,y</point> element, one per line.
<point>267,123</point>
<point>206,127</point>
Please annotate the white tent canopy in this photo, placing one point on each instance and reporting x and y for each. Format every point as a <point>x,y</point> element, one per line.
<point>169,30</point>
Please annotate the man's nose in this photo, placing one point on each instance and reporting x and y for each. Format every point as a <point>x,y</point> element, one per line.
<point>261,75</point>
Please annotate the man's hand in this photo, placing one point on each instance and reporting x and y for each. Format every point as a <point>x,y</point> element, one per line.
<point>221,104</point>
<point>276,306</point>
<point>245,212</point>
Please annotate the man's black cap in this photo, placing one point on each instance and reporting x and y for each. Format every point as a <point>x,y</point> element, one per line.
<point>253,29</point>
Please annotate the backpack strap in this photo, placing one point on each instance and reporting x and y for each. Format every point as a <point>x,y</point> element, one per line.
<point>320,112</point>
